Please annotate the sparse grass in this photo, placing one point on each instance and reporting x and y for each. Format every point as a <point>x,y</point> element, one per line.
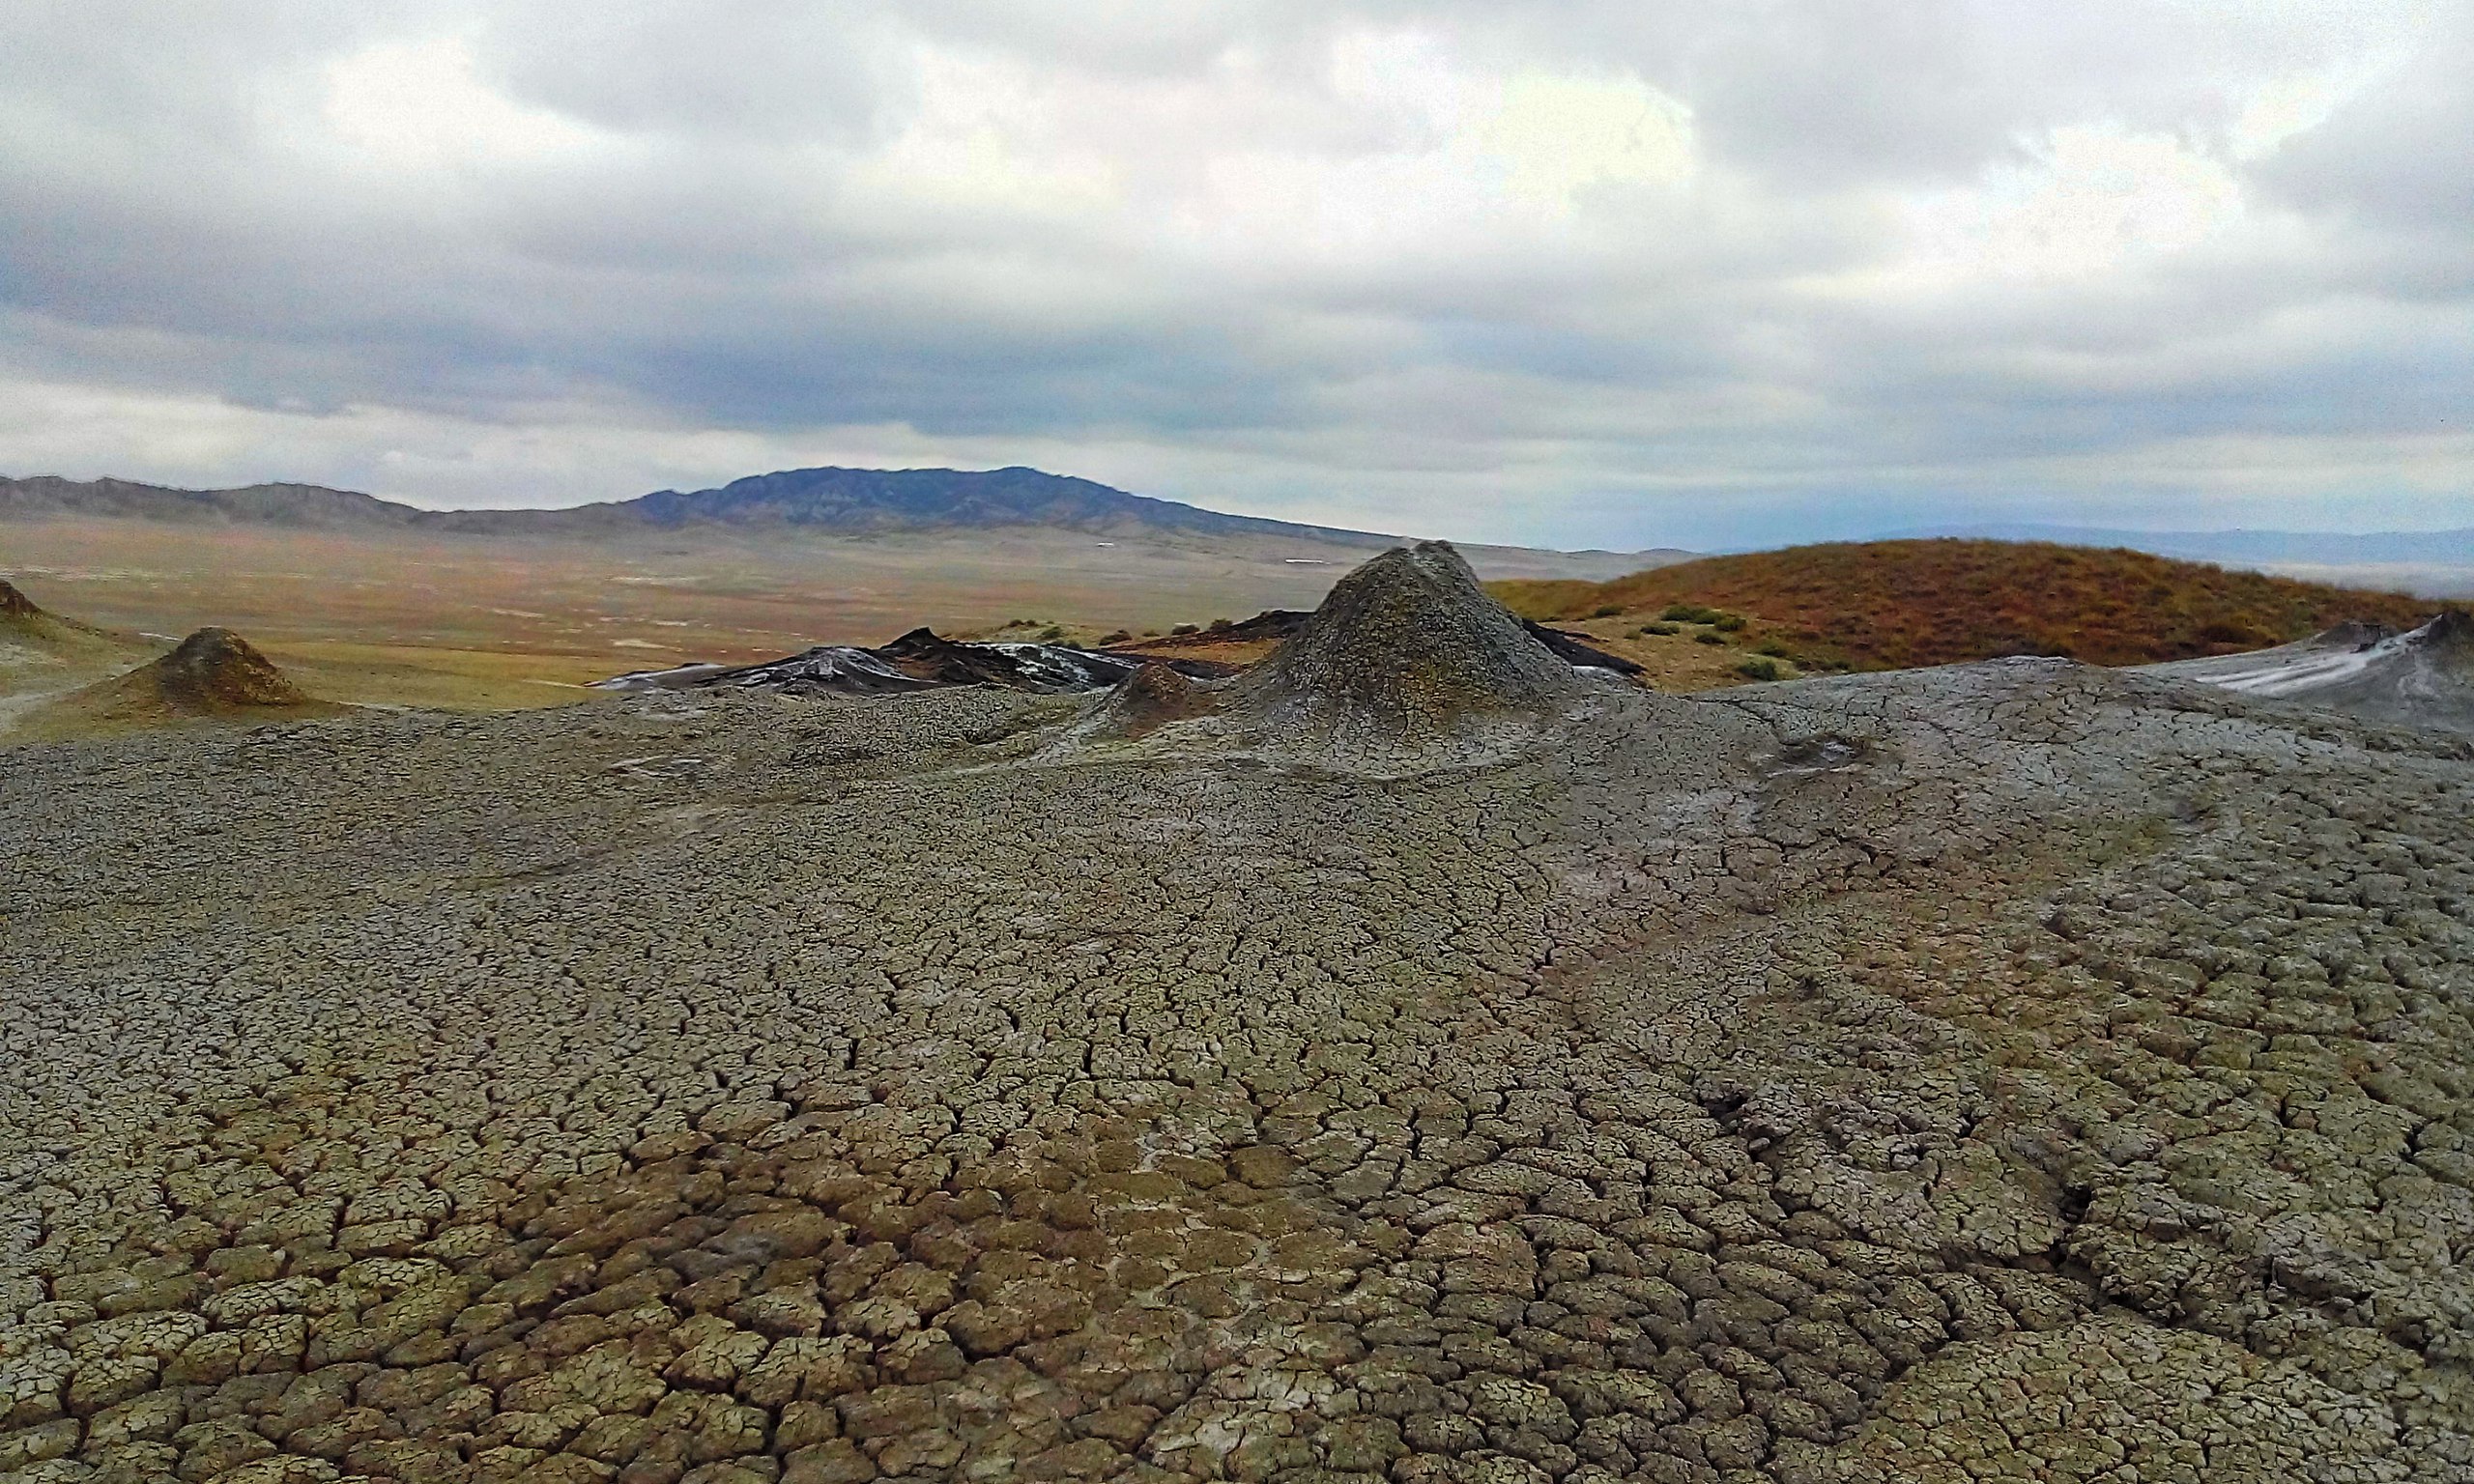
<point>455,679</point>
<point>1886,605</point>
<point>631,604</point>
<point>1541,598</point>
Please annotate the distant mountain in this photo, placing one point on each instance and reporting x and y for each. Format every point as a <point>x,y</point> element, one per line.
<point>815,503</point>
<point>836,500</point>
<point>300,506</point>
<point>2311,548</point>
<point>913,498</point>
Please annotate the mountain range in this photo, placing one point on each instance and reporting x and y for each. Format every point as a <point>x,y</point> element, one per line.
<point>821,500</point>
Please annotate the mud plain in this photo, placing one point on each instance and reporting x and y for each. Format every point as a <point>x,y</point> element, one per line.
<point>2011,1071</point>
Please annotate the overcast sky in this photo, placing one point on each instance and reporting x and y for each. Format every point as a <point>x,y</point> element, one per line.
<point>1600,272</point>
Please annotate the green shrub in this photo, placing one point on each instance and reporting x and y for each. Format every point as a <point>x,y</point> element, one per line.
<point>1705,637</point>
<point>1648,628</point>
<point>1762,668</point>
<point>1727,622</point>
<point>1609,610</point>
<point>1185,628</point>
<point>1688,612</point>
<point>1774,649</point>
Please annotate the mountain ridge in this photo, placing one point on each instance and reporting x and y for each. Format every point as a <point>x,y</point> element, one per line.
<point>828,502</point>
<point>827,498</point>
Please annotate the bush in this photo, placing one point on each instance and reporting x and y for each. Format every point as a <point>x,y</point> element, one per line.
<point>1705,637</point>
<point>1759,670</point>
<point>1774,649</point>
<point>1609,610</point>
<point>1121,636</point>
<point>1648,628</point>
<point>1727,622</point>
<point>1688,612</point>
<point>1185,628</point>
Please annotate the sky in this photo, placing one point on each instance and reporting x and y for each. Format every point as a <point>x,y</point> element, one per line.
<point>1588,273</point>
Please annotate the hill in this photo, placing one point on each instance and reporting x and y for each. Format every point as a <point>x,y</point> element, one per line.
<point>42,654</point>
<point>1891,605</point>
<point>23,621</point>
<point>2435,564</point>
<point>213,674</point>
<point>298,506</point>
<point>2242,548</point>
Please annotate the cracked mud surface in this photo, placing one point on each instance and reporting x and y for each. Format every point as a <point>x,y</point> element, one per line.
<point>2009,1072</point>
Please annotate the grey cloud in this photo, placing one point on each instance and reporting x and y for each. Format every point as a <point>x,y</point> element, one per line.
<point>1242,264</point>
<point>2399,154</point>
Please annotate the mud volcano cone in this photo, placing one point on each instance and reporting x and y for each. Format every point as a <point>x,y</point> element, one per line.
<point>1148,700</point>
<point>2423,678</point>
<point>213,674</point>
<point>1407,652</point>
<point>215,670</point>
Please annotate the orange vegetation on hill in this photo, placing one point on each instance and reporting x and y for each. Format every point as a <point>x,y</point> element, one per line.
<point>1881,605</point>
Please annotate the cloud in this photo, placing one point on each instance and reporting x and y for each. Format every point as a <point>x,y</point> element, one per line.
<point>1586,273</point>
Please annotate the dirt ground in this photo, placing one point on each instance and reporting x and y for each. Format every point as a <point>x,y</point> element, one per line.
<point>491,624</point>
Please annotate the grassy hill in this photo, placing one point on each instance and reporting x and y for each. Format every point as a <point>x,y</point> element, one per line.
<point>1886,605</point>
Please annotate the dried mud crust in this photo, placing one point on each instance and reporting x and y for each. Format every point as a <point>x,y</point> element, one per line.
<point>2012,1072</point>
